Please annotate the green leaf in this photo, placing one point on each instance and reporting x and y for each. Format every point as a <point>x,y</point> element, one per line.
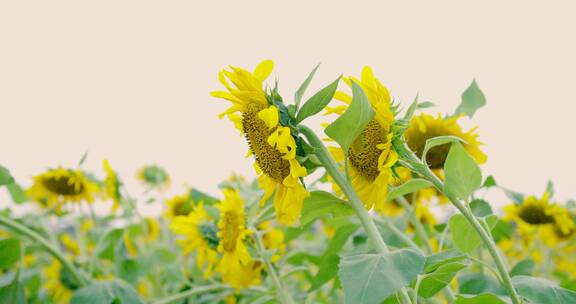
<point>410,186</point>
<point>502,230</point>
<point>514,196</point>
<point>18,195</point>
<point>13,293</point>
<point>538,290</point>
<point>83,158</point>
<point>480,208</point>
<point>425,104</point>
<point>110,242</point>
<point>411,109</point>
<point>9,252</point>
<point>329,262</point>
<point>477,283</point>
<point>323,204</point>
<point>106,292</point>
<point>199,196</point>
<point>435,281</point>
<point>523,267</point>
<point>5,176</point>
<point>485,298</point>
<point>550,188</point>
<point>300,92</point>
<point>371,278</point>
<point>472,100</point>
<point>346,128</point>
<point>489,182</point>
<point>438,141</point>
<point>463,175</point>
<point>129,270</point>
<point>445,257</point>
<point>318,101</point>
<point>464,236</point>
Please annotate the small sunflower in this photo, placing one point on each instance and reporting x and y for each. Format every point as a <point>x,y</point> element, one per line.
<point>154,177</point>
<point>199,234</point>
<point>424,126</point>
<point>112,186</point>
<point>371,156</point>
<point>58,187</point>
<point>236,265</point>
<point>178,205</point>
<point>256,115</point>
<point>59,282</point>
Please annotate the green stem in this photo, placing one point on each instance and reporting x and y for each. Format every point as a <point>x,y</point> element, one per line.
<point>419,167</point>
<point>191,292</point>
<point>332,168</point>
<point>55,252</point>
<point>283,295</point>
<point>421,233</point>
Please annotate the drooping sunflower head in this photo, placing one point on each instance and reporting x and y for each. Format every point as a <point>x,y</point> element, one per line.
<point>154,177</point>
<point>199,233</point>
<point>266,125</point>
<point>532,211</point>
<point>178,205</point>
<point>370,156</point>
<point>112,185</point>
<point>57,187</point>
<point>424,126</point>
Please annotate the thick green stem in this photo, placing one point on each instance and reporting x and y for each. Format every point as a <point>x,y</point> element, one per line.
<point>55,252</point>
<point>283,295</point>
<point>185,294</point>
<point>332,168</point>
<point>419,167</point>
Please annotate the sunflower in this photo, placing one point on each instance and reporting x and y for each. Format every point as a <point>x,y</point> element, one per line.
<point>58,187</point>
<point>256,115</point>
<point>236,265</point>
<point>59,282</point>
<point>112,185</point>
<point>273,238</point>
<point>538,215</point>
<point>371,156</point>
<point>178,205</point>
<point>424,126</point>
<point>199,234</point>
<point>154,177</point>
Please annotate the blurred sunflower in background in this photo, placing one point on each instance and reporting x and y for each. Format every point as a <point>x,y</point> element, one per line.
<point>199,234</point>
<point>236,265</point>
<point>154,177</point>
<point>260,117</point>
<point>57,187</point>
<point>178,205</point>
<point>371,156</point>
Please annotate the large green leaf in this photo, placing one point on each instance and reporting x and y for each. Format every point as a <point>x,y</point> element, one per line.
<point>445,257</point>
<point>9,252</point>
<point>465,238</point>
<point>463,175</point>
<point>323,204</point>
<point>318,101</point>
<point>300,92</point>
<point>541,291</point>
<point>523,267</point>
<point>434,282</point>
<point>108,245</point>
<point>472,100</point>
<point>371,278</point>
<point>106,292</point>
<point>329,262</point>
<point>477,283</point>
<point>485,298</point>
<point>14,292</point>
<point>17,193</point>
<point>346,128</point>
<point>5,177</point>
<point>410,186</point>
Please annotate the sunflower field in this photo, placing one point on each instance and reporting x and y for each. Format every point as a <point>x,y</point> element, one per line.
<point>385,203</point>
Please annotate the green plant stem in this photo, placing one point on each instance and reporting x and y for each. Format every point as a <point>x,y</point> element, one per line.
<point>332,168</point>
<point>421,233</point>
<point>55,252</point>
<point>191,292</point>
<point>283,295</point>
<point>419,167</point>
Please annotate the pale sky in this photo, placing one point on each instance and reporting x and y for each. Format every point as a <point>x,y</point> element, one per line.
<point>130,80</point>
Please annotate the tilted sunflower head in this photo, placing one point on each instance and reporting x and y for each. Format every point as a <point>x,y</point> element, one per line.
<point>178,205</point>
<point>371,156</point>
<point>424,126</point>
<point>269,131</point>
<point>58,187</point>
<point>154,177</point>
